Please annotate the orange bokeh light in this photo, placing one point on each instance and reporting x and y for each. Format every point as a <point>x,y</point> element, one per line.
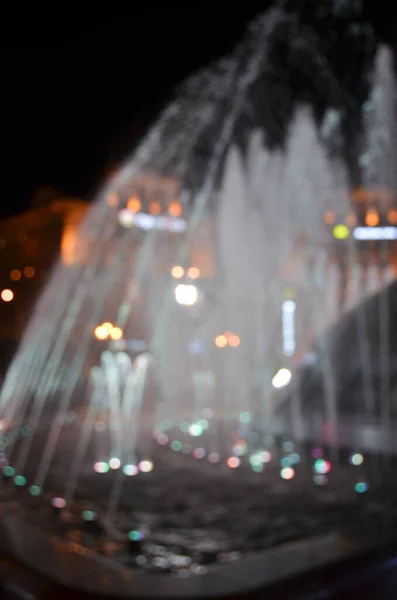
<point>193,273</point>
<point>155,208</point>
<point>7,295</point>
<point>29,272</point>
<point>116,333</point>
<point>233,462</point>
<point>221,341</point>
<point>175,209</point>
<point>101,333</point>
<point>392,216</point>
<point>234,341</point>
<point>351,220</point>
<point>113,200</point>
<point>329,217</point>
<point>134,204</point>
<point>177,272</point>
<point>15,274</point>
<point>372,217</point>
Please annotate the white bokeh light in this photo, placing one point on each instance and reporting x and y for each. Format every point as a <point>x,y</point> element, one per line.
<point>186,295</point>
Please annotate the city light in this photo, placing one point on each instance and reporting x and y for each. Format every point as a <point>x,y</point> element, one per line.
<point>101,333</point>
<point>7,295</point>
<point>288,324</point>
<point>29,272</point>
<point>126,218</point>
<point>193,273</point>
<point>227,339</point>
<point>281,378</point>
<point>155,208</point>
<point>146,466</point>
<point>112,200</point>
<point>341,232</point>
<point>148,222</point>
<point>186,295</point>
<point>234,341</point>
<point>356,459</point>
<point>130,470</point>
<point>114,464</point>
<point>177,272</point>
<point>134,204</point>
<point>287,473</point>
<point>116,333</point>
<point>106,331</point>
<point>392,216</point>
<point>233,462</point>
<point>375,233</point>
<point>220,341</point>
<point>15,274</point>
<point>175,209</point>
<point>372,217</point>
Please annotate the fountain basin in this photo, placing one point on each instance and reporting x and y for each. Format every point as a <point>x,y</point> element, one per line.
<point>69,566</point>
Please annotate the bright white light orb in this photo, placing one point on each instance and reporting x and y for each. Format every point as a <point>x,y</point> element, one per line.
<point>114,464</point>
<point>146,466</point>
<point>130,470</point>
<point>126,218</point>
<point>186,294</point>
<point>282,378</point>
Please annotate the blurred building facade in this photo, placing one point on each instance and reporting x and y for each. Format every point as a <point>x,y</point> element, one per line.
<point>30,244</point>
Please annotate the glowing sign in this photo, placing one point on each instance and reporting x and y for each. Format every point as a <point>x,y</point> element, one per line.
<point>147,222</point>
<point>375,233</point>
<point>288,317</point>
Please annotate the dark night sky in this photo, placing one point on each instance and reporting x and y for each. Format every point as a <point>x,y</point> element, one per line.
<point>78,89</point>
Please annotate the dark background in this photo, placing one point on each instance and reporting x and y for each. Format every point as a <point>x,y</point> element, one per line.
<point>79,89</point>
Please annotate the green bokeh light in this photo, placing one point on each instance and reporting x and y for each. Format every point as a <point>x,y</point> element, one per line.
<point>245,417</point>
<point>135,536</point>
<point>176,446</point>
<point>20,480</point>
<point>89,515</point>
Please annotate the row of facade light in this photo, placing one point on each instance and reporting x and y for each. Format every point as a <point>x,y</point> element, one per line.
<point>7,295</point>
<point>155,208</point>
<point>107,331</point>
<point>372,217</point>
<point>227,339</point>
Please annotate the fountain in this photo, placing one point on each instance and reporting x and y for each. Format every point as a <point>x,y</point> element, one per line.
<point>197,368</point>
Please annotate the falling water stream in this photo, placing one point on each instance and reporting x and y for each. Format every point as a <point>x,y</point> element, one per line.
<point>201,333</point>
